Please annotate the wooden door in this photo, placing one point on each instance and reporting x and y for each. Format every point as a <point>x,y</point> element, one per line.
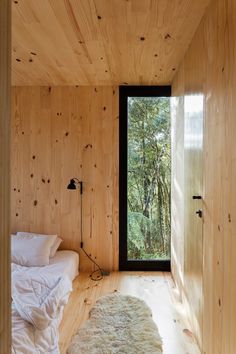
<point>193,162</point>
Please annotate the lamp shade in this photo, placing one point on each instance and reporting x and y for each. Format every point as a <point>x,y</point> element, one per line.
<point>72,184</point>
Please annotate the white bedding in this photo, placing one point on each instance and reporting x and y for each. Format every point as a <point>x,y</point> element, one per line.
<point>66,262</point>
<point>39,295</point>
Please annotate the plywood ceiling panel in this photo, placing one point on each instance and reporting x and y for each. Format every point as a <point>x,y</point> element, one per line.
<point>101,42</point>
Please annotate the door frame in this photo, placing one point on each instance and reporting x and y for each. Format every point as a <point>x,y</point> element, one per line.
<point>124,93</point>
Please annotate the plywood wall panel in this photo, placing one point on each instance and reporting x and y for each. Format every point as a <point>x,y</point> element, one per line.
<point>5,80</point>
<point>59,133</point>
<point>214,46</point>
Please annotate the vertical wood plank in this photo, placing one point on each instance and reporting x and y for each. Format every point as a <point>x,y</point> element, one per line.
<point>5,59</point>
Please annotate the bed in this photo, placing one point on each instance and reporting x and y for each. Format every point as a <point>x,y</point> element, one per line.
<point>39,295</point>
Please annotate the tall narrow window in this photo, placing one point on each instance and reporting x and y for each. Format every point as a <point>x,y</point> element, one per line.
<point>145,177</point>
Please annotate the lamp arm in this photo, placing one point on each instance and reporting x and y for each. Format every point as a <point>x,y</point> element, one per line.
<point>77,181</point>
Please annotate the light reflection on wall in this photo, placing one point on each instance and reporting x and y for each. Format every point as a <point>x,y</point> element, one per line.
<point>193,110</point>
<point>174,105</point>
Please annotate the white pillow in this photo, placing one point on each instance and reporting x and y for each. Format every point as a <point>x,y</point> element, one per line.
<point>30,250</point>
<point>55,246</point>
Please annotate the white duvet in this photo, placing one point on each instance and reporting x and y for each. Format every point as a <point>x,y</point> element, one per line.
<point>38,301</point>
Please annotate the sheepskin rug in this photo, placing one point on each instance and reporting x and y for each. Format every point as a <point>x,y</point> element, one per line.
<point>118,324</point>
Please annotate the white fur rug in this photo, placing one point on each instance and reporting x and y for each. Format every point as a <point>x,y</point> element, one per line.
<point>118,324</point>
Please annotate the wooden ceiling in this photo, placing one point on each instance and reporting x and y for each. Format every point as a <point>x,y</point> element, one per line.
<point>101,42</point>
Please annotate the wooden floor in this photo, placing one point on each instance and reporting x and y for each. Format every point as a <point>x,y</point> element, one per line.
<point>156,288</point>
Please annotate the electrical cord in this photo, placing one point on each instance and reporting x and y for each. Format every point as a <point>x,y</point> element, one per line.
<point>92,275</point>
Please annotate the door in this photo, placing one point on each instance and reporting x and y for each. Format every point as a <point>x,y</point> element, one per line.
<point>145,178</point>
<point>193,162</point>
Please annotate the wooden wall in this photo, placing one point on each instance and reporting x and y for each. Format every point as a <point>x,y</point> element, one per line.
<point>5,59</point>
<point>214,76</point>
<point>59,133</point>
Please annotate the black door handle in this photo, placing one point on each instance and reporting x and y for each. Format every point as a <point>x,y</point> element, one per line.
<point>197,197</point>
<point>199,212</point>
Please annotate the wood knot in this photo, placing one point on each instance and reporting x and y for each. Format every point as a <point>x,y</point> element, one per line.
<point>167,36</point>
<point>87,301</point>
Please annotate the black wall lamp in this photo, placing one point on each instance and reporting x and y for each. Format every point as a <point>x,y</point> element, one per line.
<point>74,183</point>
<point>97,274</point>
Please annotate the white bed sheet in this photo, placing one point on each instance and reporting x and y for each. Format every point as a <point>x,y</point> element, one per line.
<point>27,339</point>
<point>65,262</point>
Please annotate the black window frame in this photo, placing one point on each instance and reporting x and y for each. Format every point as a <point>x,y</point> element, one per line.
<point>124,93</point>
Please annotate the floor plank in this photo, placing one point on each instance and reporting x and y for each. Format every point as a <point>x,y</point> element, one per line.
<point>156,288</point>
